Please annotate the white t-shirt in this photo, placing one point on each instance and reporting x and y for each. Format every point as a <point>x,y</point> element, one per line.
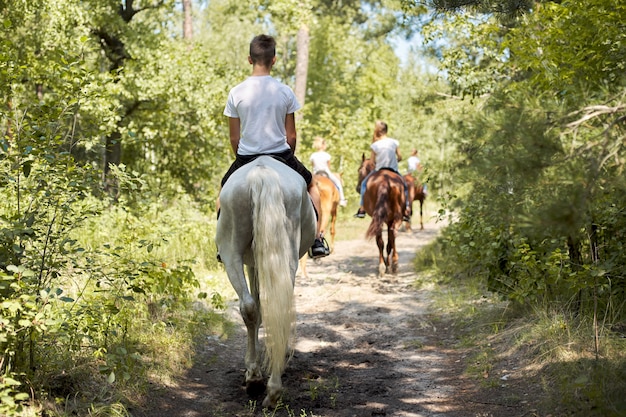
<point>261,103</point>
<point>413,162</point>
<point>320,160</point>
<point>385,150</point>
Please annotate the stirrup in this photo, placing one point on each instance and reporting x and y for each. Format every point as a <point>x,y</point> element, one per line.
<point>319,249</point>
<point>406,217</point>
<point>360,214</point>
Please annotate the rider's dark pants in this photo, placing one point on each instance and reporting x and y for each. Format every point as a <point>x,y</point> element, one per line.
<point>286,157</point>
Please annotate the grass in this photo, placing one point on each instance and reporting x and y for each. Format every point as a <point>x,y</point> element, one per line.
<point>553,352</point>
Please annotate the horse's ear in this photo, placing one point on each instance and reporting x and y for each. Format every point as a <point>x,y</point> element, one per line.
<point>363,157</point>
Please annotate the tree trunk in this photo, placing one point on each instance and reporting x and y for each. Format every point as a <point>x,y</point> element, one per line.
<point>302,64</point>
<point>188,21</point>
<point>115,50</point>
<point>112,156</point>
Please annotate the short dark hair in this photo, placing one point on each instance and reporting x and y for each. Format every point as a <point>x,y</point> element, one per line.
<point>263,50</point>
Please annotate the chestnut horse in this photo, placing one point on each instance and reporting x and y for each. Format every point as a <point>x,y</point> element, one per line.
<point>384,202</point>
<point>329,201</point>
<point>267,222</point>
<point>416,192</point>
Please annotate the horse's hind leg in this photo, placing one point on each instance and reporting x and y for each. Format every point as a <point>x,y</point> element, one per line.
<point>382,259</point>
<point>251,315</point>
<point>333,220</point>
<point>274,391</point>
<point>407,225</point>
<point>391,250</point>
<point>392,253</point>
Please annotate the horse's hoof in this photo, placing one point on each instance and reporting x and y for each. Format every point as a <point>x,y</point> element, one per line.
<point>271,400</point>
<point>255,387</point>
<point>382,270</point>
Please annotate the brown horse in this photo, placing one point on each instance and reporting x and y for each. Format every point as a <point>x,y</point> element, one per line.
<point>384,202</point>
<point>416,192</point>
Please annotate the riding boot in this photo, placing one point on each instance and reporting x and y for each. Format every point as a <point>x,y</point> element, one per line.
<point>407,214</point>
<point>360,213</point>
<point>319,249</point>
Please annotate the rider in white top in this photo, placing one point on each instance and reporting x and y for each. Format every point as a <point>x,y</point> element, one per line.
<point>414,166</point>
<point>413,163</point>
<point>386,154</point>
<point>261,121</point>
<point>262,127</point>
<point>386,150</point>
<point>320,159</point>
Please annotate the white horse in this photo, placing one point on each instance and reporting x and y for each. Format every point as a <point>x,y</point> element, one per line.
<point>266,222</point>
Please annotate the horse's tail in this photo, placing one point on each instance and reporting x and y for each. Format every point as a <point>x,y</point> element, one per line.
<point>272,248</point>
<point>379,215</point>
<point>384,205</point>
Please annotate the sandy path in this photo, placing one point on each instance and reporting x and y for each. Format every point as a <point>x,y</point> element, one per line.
<point>364,347</point>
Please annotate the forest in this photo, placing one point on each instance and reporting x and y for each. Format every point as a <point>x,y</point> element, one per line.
<point>114,143</point>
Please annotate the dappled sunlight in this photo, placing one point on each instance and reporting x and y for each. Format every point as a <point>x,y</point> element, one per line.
<point>363,346</point>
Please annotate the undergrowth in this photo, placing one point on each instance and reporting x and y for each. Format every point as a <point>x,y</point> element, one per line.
<point>135,304</point>
<point>555,351</point>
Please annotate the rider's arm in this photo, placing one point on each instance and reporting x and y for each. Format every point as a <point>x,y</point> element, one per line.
<point>290,128</point>
<point>234,127</point>
<point>398,154</point>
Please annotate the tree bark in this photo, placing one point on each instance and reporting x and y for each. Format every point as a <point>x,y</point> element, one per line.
<point>302,64</point>
<point>187,21</point>
<point>115,50</point>
<point>112,156</point>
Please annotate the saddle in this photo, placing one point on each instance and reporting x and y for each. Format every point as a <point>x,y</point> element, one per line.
<point>394,171</point>
<point>390,169</point>
<point>406,186</point>
<point>325,174</point>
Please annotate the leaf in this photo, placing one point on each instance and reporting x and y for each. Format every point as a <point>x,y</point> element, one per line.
<point>14,269</point>
<point>10,381</point>
<point>21,396</point>
<point>111,378</point>
<point>24,323</point>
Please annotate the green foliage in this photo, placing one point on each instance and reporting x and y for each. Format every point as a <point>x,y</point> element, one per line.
<point>484,6</point>
<point>175,134</point>
<point>544,158</point>
<point>561,53</point>
<point>473,56</point>
<point>64,298</point>
<point>42,202</point>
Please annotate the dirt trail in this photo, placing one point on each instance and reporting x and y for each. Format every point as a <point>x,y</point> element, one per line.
<point>364,347</point>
